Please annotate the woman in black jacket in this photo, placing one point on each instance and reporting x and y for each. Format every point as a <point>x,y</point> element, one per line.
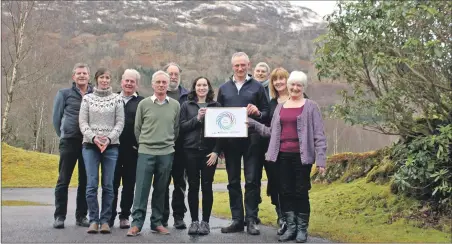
<point>201,153</point>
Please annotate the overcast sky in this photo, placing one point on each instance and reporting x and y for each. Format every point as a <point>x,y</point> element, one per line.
<point>321,7</point>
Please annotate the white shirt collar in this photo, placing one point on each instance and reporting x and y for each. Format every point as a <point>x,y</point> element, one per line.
<point>133,95</point>
<point>246,79</point>
<point>155,99</point>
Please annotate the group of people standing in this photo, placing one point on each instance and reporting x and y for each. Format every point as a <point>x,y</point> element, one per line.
<point>155,140</point>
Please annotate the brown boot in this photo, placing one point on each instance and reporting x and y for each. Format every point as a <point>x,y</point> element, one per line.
<point>161,230</point>
<point>105,228</point>
<point>134,231</point>
<point>93,228</point>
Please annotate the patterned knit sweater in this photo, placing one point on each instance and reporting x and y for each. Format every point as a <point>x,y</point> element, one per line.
<point>101,113</point>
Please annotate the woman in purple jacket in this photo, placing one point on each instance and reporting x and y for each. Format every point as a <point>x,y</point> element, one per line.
<point>297,140</point>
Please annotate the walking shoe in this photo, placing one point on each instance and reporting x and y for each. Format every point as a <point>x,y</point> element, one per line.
<point>105,229</point>
<point>58,223</point>
<point>111,223</point>
<point>179,223</point>
<point>194,227</point>
<point>82,222</point>
<point>93,228</point>
<point>160,230</point>
<point>252,228</point>
<point>204,228</point>
<point>124,224</point>
<point>134,231</point>
<point>235,226</point>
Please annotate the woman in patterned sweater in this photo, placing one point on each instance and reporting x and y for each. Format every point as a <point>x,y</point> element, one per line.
<point>101,122</point>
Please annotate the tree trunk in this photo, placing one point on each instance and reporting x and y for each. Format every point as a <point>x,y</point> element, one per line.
<point>18,56</point>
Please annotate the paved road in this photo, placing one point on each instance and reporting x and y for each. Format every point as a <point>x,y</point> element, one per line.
<point>33,224</point>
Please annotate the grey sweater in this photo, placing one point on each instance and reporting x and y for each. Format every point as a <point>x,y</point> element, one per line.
<point>310,130</point>
<point>101,113</point>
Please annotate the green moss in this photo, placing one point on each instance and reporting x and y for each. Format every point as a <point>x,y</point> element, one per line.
<point>22,203</point>
<point>382,172</point>
<point>354,212</point>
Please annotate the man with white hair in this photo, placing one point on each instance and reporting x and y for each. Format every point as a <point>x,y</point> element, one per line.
<point>261,74</point>
<point>179,93</point>
<point>126,165</point>
<point>156,129</point>
<point>243,91</point>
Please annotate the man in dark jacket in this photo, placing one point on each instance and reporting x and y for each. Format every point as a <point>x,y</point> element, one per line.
<point>126,165</point>
<point>66,109</point>
<point>179,93</point>
<point>243,91</point>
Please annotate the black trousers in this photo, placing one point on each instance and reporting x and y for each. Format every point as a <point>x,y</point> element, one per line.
<point>295,183</point>
<point>70,152</point>
<point>126,168</point>
<point>180,185</point>
<point>199,172</point>
<point>272,171</point>
<point>250,149</point>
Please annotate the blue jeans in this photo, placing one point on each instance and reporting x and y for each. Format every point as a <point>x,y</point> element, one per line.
<point>93,157</point>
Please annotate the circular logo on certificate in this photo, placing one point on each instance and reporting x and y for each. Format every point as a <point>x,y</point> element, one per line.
<point>225,120</point>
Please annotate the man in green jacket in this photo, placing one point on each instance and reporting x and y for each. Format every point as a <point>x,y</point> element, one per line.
<point>156,129</point>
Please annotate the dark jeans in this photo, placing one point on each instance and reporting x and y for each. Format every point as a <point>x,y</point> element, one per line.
<point>107,160</point>
<point>148,167</point>
<point>250,149</point>
<point>70,152</point>
<point>198,172</point>
<point>180,185</point>
<point>295,183</point>
<point>126,168</point>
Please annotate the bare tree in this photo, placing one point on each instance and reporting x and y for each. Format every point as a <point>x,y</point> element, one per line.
<point>22,25</point>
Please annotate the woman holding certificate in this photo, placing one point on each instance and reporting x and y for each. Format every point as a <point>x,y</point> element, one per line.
<point>297,140</point>
<point>200,153</point>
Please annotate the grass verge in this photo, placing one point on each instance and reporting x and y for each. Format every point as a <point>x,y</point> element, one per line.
<point>18,203</point>
<point>353,212</point>
<point>27,169</point>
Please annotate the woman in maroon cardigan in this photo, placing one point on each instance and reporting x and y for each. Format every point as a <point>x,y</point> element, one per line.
<point>297,140</point>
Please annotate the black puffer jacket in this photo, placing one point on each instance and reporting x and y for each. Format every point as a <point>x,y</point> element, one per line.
<point>192,130</point>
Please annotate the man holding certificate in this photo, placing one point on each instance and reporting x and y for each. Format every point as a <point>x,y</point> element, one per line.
<point>245,92</point>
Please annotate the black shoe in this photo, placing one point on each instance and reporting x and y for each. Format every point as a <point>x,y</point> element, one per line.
<point>179,224</point>
<point>82,222</point>
<point>251,228</point>
<point>204,228</point>
<point>111,223</point>
<point>258,222</point>
<point>235,226</point>
<point>194,228</point>
<point>58,223</point>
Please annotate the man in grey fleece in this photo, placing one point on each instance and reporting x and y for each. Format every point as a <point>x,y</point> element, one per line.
<point>66,109</point>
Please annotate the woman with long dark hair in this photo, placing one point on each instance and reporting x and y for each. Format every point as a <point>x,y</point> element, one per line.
<point>200,153</point>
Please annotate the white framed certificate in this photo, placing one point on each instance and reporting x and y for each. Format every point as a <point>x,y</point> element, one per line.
<point>226,122</point>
